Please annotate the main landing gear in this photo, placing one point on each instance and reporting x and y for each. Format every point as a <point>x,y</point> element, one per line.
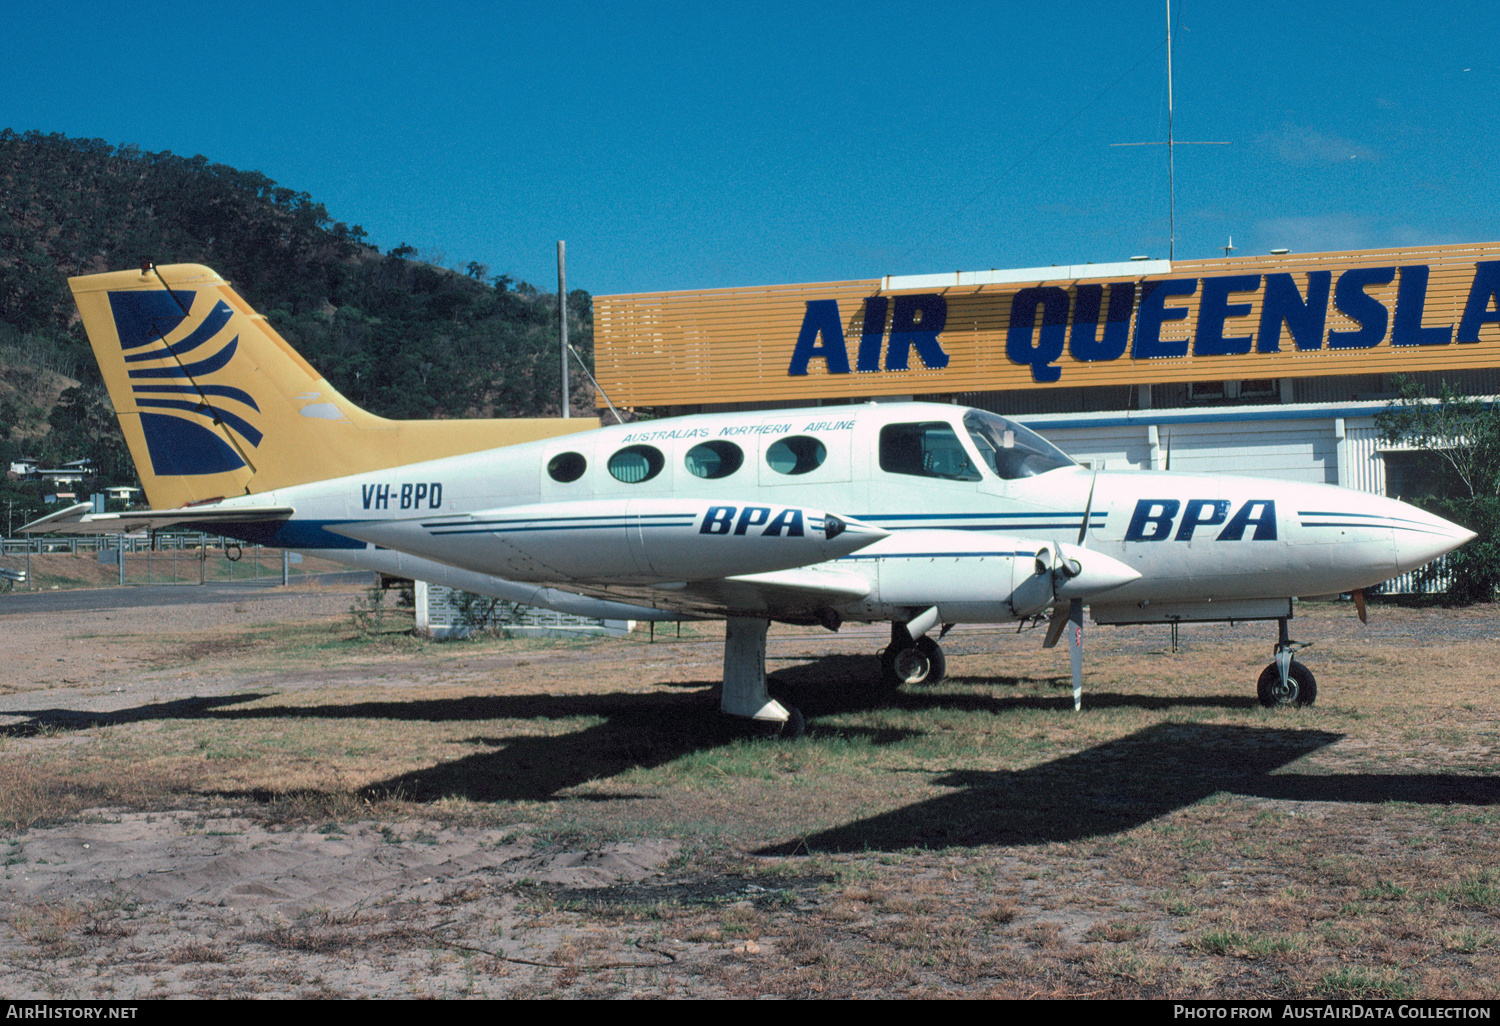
<point>911,658</point>
<point>908,661</point>
<point>1286,681</point>
<point>745,692</point>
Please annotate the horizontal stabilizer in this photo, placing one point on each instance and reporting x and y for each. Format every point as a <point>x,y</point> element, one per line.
<point>81,519</point>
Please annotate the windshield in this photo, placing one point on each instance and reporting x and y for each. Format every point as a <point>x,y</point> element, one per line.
<point>1011,450</point>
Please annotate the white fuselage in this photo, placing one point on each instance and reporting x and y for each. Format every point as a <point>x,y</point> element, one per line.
<point>938,514</point>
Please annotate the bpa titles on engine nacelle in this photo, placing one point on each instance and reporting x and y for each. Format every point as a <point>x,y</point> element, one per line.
<point>1157,520</point>
<point>722,520</point>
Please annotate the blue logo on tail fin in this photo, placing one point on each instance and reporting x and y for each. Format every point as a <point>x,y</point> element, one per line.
<point>145,317</point>
<point>183,443</point>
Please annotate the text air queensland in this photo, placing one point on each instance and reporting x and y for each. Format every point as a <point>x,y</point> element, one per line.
<point>1358,308</point>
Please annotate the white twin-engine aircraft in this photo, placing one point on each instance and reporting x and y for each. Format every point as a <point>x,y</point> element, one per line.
<point>920,514</point>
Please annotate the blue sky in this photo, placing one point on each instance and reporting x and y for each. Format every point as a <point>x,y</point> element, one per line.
<point>681,146</point>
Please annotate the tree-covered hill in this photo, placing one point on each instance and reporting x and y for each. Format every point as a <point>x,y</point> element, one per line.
<point>400,337</point>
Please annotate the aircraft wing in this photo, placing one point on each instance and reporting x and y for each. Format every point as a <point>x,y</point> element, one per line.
<point>779,594</point>
<point>81,519</point>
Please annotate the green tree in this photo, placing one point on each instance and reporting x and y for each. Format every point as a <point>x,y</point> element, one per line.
<point>1462,434</point>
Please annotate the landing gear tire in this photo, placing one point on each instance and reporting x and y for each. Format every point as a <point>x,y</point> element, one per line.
<point>918,664</point>
<point>795,725</point>
<point>1301,686</point>
<point>939,665</point>
<point>790,729</point>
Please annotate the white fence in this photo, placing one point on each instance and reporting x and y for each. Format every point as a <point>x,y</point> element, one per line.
<point>450,613</point>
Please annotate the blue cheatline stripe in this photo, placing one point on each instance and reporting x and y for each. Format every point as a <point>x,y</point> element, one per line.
<point>1414,529</point>
<point>226,391</point>
<point>1002,528</point>
<point>207,366</point>
<point>211,326</point>
<point>532,520</point>
<point>203,410</point>
<point>285,534</point>
<point>549,527</point>
<point>941,555</point>
<point>1367,516</point>
<point>1093,515</point>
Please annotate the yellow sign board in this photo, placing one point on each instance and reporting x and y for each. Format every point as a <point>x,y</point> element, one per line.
<point>1377,311</point>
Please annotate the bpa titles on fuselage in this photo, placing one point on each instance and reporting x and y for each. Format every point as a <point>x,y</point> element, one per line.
<point>1074,323</point>
<point>1154,520</point>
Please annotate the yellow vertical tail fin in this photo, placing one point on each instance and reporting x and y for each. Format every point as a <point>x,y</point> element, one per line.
<point>214,403</point>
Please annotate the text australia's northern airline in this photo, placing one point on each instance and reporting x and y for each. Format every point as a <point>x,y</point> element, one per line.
<point>919,514</point>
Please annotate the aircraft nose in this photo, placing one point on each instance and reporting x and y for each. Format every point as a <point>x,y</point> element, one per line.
<point>1421,537</point>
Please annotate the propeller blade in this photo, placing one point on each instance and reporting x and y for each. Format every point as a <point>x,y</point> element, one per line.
<point>1055,627</point>
<point>1359,603</point>
<point>1083,528</point>
<point>1075,650</point>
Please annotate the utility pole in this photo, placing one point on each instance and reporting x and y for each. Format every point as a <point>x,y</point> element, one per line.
<point>562,320</point>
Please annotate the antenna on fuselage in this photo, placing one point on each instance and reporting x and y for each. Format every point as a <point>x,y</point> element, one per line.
<point>595,381</point>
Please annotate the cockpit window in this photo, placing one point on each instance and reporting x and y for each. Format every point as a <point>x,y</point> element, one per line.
<point>931,449</point>
<point>1011,450</point>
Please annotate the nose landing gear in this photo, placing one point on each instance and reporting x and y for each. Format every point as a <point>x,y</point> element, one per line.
<point>1286,681</point>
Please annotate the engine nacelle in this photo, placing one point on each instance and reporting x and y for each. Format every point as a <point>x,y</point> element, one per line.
<point>984,579</point>
<point>642,541</point>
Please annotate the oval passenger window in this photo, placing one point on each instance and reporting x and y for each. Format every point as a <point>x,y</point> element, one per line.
<point>796,455</point>
<point>713,460</point>
<point>566,467</point>
<point>636,463</point>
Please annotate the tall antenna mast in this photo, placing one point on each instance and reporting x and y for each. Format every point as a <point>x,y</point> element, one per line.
<point>1171,154</point>
<point>1171,145</point>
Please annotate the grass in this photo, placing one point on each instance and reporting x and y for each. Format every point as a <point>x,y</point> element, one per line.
<point>977,837</point>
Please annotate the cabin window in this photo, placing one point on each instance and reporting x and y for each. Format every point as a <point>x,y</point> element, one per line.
<point>714,459</point>
<point>796,455</point>
<point>931,449</point>
<point>566,467</point>
<point>1011,450</point>
<point>636,463</point>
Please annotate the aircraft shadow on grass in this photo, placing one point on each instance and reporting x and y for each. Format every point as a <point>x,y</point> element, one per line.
<point>1106,789</point>
<point>1118,785</point>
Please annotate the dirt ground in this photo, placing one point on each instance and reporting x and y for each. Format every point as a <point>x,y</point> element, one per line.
<point>249,798</point>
